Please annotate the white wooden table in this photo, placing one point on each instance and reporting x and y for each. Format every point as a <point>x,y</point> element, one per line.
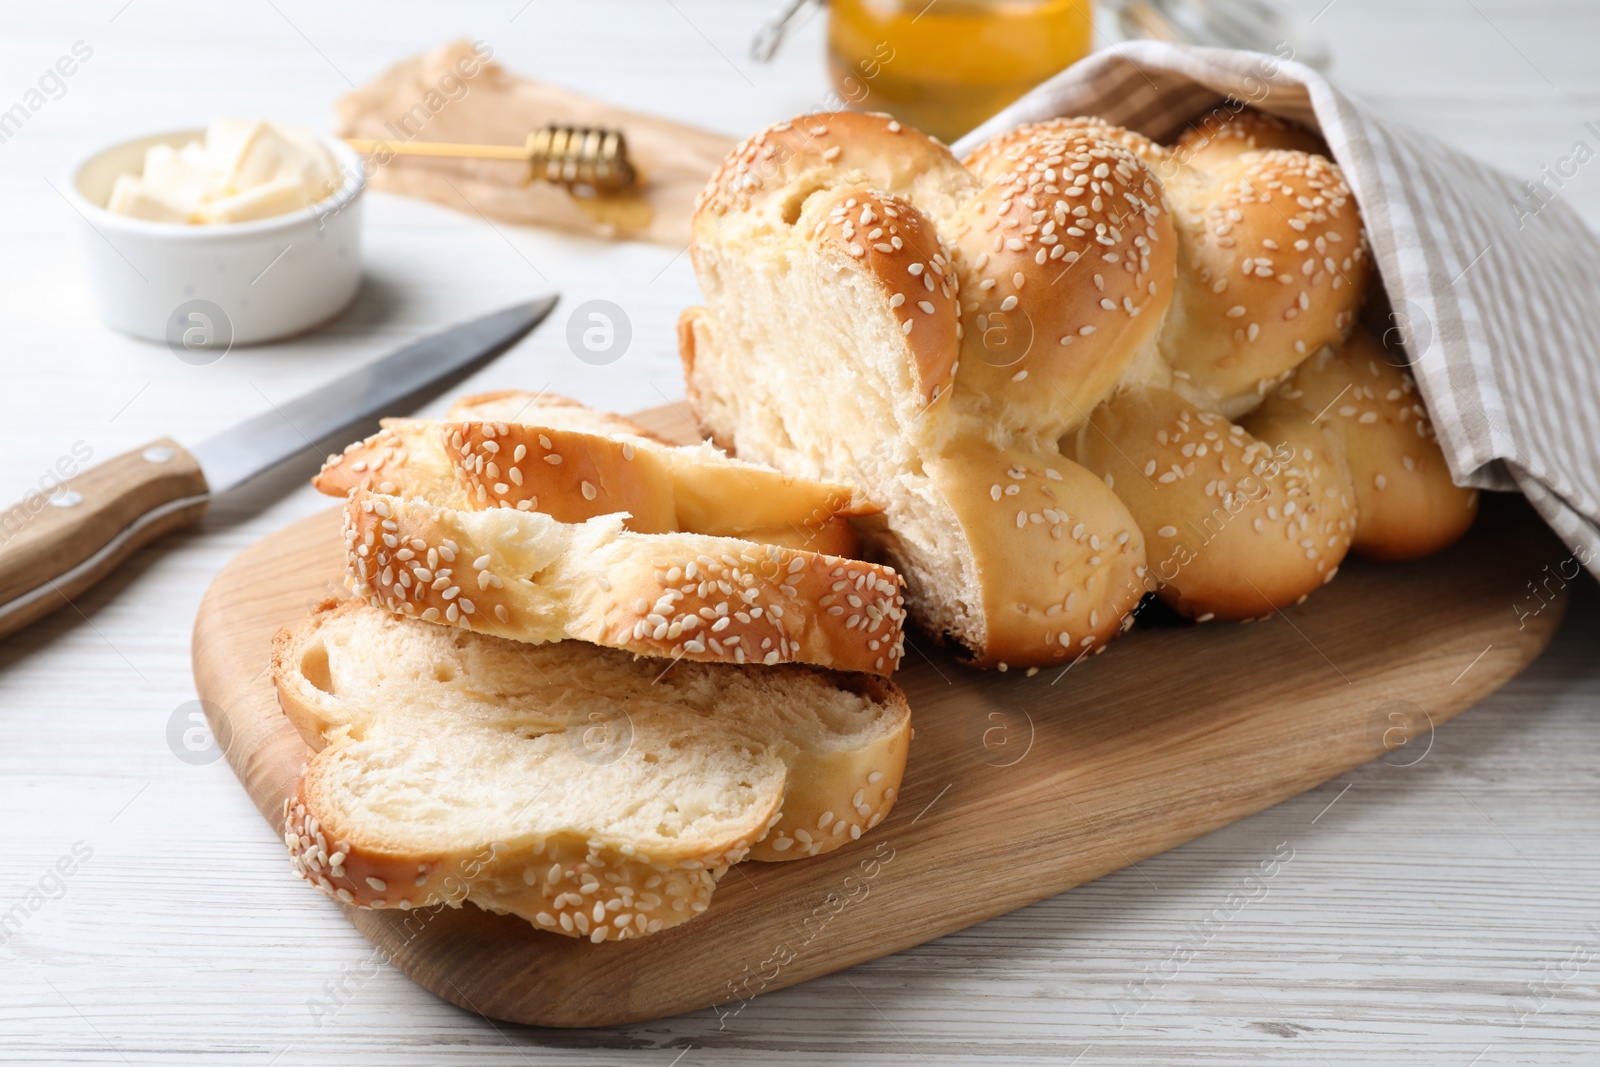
<point>1425,910</point>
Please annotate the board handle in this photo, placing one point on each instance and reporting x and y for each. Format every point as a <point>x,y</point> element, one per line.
<point>53,548</point>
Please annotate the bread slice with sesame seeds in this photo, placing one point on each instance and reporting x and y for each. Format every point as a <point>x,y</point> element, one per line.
<point>527,576</point>
<point>520,407</point>
<point>535,452</point>
<point>580,788</point>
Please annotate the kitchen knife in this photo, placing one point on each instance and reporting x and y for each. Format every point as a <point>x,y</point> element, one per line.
<point>53,549</point>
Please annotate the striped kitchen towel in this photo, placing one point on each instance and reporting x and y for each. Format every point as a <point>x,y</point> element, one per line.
<point>1493,286</point>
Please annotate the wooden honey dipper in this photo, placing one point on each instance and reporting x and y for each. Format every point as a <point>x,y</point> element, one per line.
<point>573,156</point>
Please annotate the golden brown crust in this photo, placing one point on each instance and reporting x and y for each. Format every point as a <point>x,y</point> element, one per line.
<point>1406,502</point>
<point>1071,248</point>
<point>1255,202</point>
<point>513,405</point>
<point>403,458</point>
<point>406,459</point>
<point>1272,266</point>
<point>1217,139</point>
<point>992,157</point>
<point>710,600</point>
<point>567,475</point>
<point>574,476</point>
<point>895,243</point>
<point>765,180</point>
<point>1235,526</point>
<point>785,606</point>
<point>1060,562</point>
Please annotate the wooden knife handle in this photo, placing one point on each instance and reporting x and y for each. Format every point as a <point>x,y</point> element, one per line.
<point>53,548</point>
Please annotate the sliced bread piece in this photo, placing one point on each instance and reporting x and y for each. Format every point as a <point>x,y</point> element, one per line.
<point>407,456</point>
<point>529,577</point>
<point>548,409</point>
<point>534,452</point>
<point>576,787</point>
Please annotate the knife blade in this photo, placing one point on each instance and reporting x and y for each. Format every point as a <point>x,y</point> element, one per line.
<point>53,548</point>
<point>238,454</point>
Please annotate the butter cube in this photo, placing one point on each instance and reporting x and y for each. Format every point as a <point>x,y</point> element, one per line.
<point>277,197</point>
<point>181,178</point>
<point>226,140</point>
<point>130,196</point>
<point>264,153</point>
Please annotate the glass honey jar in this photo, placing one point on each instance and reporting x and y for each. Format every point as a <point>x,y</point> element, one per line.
<point>945,66</point>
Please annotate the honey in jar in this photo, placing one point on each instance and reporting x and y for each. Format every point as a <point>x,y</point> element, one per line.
<point>946,65</point>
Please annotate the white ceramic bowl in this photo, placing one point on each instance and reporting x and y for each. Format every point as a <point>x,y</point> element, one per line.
<point>204,288</point>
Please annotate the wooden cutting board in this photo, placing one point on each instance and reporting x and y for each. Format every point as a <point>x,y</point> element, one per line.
<point>1017,788</point>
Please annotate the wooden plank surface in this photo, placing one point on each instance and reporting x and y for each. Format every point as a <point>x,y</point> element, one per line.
<point>1418,911</point>
<point>1017,787</point>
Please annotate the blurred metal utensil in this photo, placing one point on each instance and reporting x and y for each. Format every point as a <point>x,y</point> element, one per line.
<point>770,37</point>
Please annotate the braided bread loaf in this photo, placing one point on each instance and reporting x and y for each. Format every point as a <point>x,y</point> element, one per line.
<point>1032,363</point>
